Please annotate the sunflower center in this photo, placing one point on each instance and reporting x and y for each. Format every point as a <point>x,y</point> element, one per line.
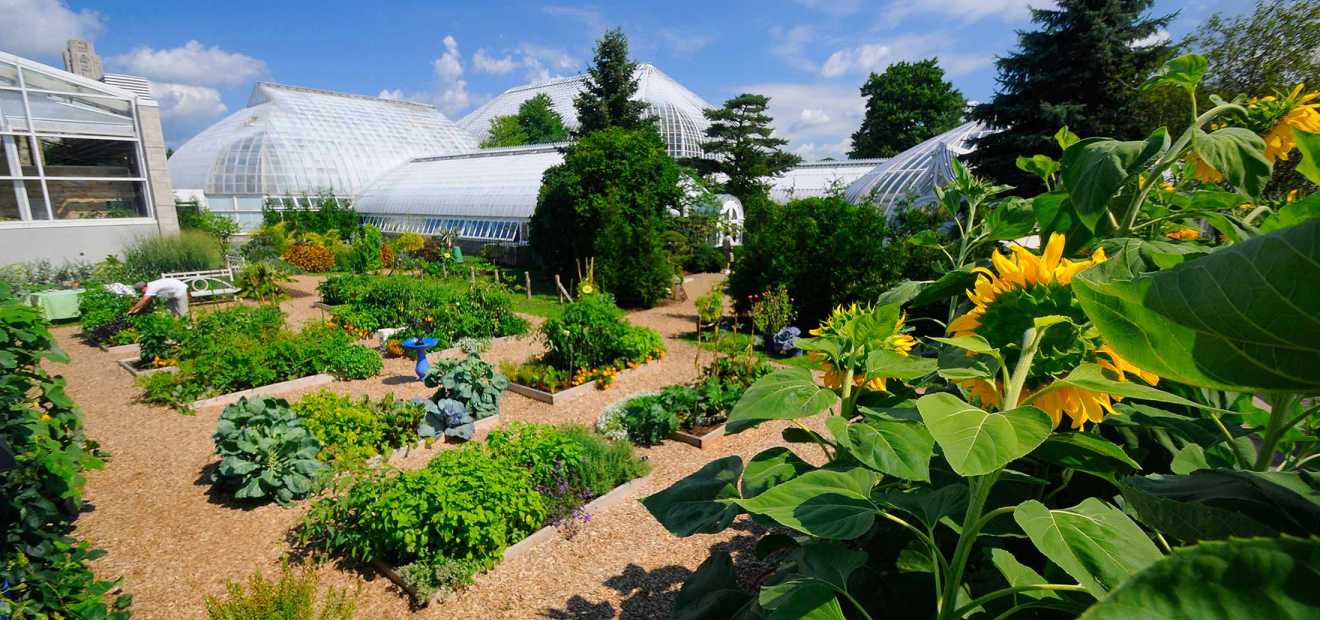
<point>1012,313</point>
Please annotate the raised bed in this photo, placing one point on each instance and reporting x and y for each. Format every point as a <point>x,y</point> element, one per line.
<point>123,349</point>
<point>522,547</point>
<point>131,366</point>
<point>701,439</point>
<point>562,396</point>
<point>483,424</point>
<point>274,389</point>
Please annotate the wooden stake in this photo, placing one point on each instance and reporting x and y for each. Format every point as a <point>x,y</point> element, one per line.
<point>563,292</point>
<point>527,278</point>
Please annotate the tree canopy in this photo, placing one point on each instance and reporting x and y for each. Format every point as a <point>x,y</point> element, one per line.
<point>609,200</point>
<point>606,99</point>
<point>1261,52</point>
<point>743,147</point>
<point>536,122</point>
<point>1081,68</point>
<point>908,103</point>
<point>504,131</point>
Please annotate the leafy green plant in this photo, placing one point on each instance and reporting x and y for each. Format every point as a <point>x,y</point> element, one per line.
<point>470,381</point>
<point>771,310</point>
<point>43,568</point>
<point>160,334</point>
<point>190,250</point>
<point>266,452</point>
<point>446,417</point>
<point>260,280</point>
<point>366,254</point>
<point>354,362</point>
<point>352,430</point>
<point>591,333</point>
<point>104,317</point>
<point>290,596</point>
<point>443,576</point>
<point>643,417</point>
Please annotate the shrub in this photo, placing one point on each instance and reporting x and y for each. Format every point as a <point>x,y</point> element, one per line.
<point>190,250</point>
<point>43,568</point>
<point>265,451</point>
<point>353,361</point>
<point>465,505</point>
<point>411,242</point>
<point>290,596</point>
<point>311,258</point>
<point>35,275</point>
<point>710,307</point>
<point>441,575</point>
<point>586,334</point>
<point>642,418</point>
<point>260,280</point>
<point>704,258</point>
<point>445,310</point>
<point>771,310</point>
<point>366,253</point>
<point>829,252</point>
<point>160,334</point>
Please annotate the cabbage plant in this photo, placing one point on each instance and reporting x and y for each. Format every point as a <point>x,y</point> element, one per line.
<point>265,451</point>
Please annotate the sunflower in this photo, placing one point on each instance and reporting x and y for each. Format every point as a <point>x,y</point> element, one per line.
<point>1301,114</point>
<point>1005,302</point>
<point>845,339</point>
<point>1203,171</point>
<point>1183,234</point>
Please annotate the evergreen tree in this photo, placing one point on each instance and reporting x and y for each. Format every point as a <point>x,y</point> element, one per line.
<point>606,99</point>
<point>504,131</point>
<point>1082,69</point>
<point>908,103</point>
<point>743,147</point>
<point>540,122</point>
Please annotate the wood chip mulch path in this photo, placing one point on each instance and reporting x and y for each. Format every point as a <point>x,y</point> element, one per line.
<point>173,542</point>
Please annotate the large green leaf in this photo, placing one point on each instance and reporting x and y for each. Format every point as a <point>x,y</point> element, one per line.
<point>800,598</point>
<point>690,506</point>
<point>712,593</point>
<point>1010,219</point>
<point>893,365</point>
<point>1055,213</point>
<point>1019,574</point>
<point>1185,71</point>
<point>830,563</point>
<point>824,503</point>
<point>1095,169</point>
<point>784,394</point>
<point>1218,503</point>
<point>769,468</point>
<point>1271,578</point>
<point>1238,154</point>
<point>976,442</point>
<point>1244,318</point>
<point>897,448</point>
<point>1309,145</point>
<point>928,504</point>
<point>1295,212</point>
<point>916,293</point>
<point>1087,452</point>
<point>1094,542</point>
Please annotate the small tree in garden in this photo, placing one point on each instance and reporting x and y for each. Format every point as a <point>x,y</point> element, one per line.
<point>607,93</point>
<point>609,199</point>
<point>742,146</point>
<point>909,103</point>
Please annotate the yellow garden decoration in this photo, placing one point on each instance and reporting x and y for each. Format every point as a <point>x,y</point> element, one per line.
<point>1023,287</point>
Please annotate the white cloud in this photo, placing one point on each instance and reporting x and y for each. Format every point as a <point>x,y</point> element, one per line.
<point>832,7</point>
<point>1156,38</point>
<point>685,43</point>
<point>817,118</point>
<point>966,11</point>
<point>791,45</point>
<point>451,94</point>
<point>449,66</point>
<point>180,101</point>
<point>593,19</point>
<point>192,63</point>
<point>874,57</point>
<point>43,27</point>
<point>485,63</point>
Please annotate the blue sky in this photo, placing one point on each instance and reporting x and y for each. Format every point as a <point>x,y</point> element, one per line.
<point>809,56</point>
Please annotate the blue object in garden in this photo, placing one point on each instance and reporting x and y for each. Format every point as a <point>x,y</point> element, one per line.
<point>419,346</point>
<point>785,342</point>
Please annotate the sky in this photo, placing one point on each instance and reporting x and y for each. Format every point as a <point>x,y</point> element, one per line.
<point>809,56</point>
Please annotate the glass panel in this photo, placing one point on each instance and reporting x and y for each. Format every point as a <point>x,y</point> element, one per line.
<point>78,157</point>
<point>41,81</point>
<point>73,114</point>
<point>80,200</point>
<point>9,201</point>
<point>8,74</point>
<point>11,105</point>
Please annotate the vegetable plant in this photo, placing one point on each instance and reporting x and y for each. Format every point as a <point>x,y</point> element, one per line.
<point>266,453</point>
<point>469,380</point>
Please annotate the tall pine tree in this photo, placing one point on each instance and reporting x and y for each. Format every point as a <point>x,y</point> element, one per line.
<point>606,99</point>
<point>743,147</point>
<point>908,103</point>
<point>1081,68</point>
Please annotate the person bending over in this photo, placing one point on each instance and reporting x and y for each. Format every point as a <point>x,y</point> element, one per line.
<point>172,291</point>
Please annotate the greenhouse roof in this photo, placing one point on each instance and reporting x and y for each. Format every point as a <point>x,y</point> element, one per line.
<point>913,174</point>
<point>819,178</point>
<point>491,183</point>
<point>292,140</point>
<point>678,109</point>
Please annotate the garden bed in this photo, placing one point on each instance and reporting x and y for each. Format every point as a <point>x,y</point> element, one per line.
<point>553,398</point>
<point>530,543</point>
<point>701,437</point>
<point>123,349</point>
<point>131,365</point>
<point>481,425</point>
<point>274,389</point>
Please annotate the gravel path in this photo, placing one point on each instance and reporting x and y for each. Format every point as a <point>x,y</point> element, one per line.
<point>173,543</point>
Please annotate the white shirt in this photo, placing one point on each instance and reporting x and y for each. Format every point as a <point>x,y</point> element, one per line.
<point>169,288</point>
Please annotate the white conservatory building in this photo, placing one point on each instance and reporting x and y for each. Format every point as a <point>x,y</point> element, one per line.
<point>677,110</point>
<point>82,162</point>
<point>290,142</point>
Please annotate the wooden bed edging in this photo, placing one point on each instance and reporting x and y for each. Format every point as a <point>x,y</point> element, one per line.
<point>619,494</point>
<point>274,389</point>
<point>132,348</point>
<point>483,424</point>
<point>562,396</point>
<point>712,437</point>
<point>130,365</point>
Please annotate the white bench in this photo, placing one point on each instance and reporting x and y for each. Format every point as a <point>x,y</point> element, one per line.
<point>207,283</point>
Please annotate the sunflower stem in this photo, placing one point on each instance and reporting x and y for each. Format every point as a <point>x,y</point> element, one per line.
<point>1030,345</point>
<point>978,491</point>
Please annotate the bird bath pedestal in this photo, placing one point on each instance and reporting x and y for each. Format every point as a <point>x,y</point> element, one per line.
<point>419,346</point>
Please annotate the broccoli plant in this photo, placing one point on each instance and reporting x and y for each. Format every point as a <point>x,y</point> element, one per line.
<point>266,452</point>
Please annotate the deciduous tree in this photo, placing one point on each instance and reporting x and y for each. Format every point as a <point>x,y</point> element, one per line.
<point>909,103</point>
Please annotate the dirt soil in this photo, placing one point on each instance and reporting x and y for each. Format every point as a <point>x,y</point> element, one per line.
<point>173,542</point>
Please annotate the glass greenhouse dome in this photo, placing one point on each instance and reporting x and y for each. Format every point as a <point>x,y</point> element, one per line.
<point>911,176</point>
<point>291,141</point>
<point>677,109</point>
<point>819,178</point>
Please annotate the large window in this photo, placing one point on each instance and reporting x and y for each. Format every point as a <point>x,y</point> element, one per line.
<point>68,151</point>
